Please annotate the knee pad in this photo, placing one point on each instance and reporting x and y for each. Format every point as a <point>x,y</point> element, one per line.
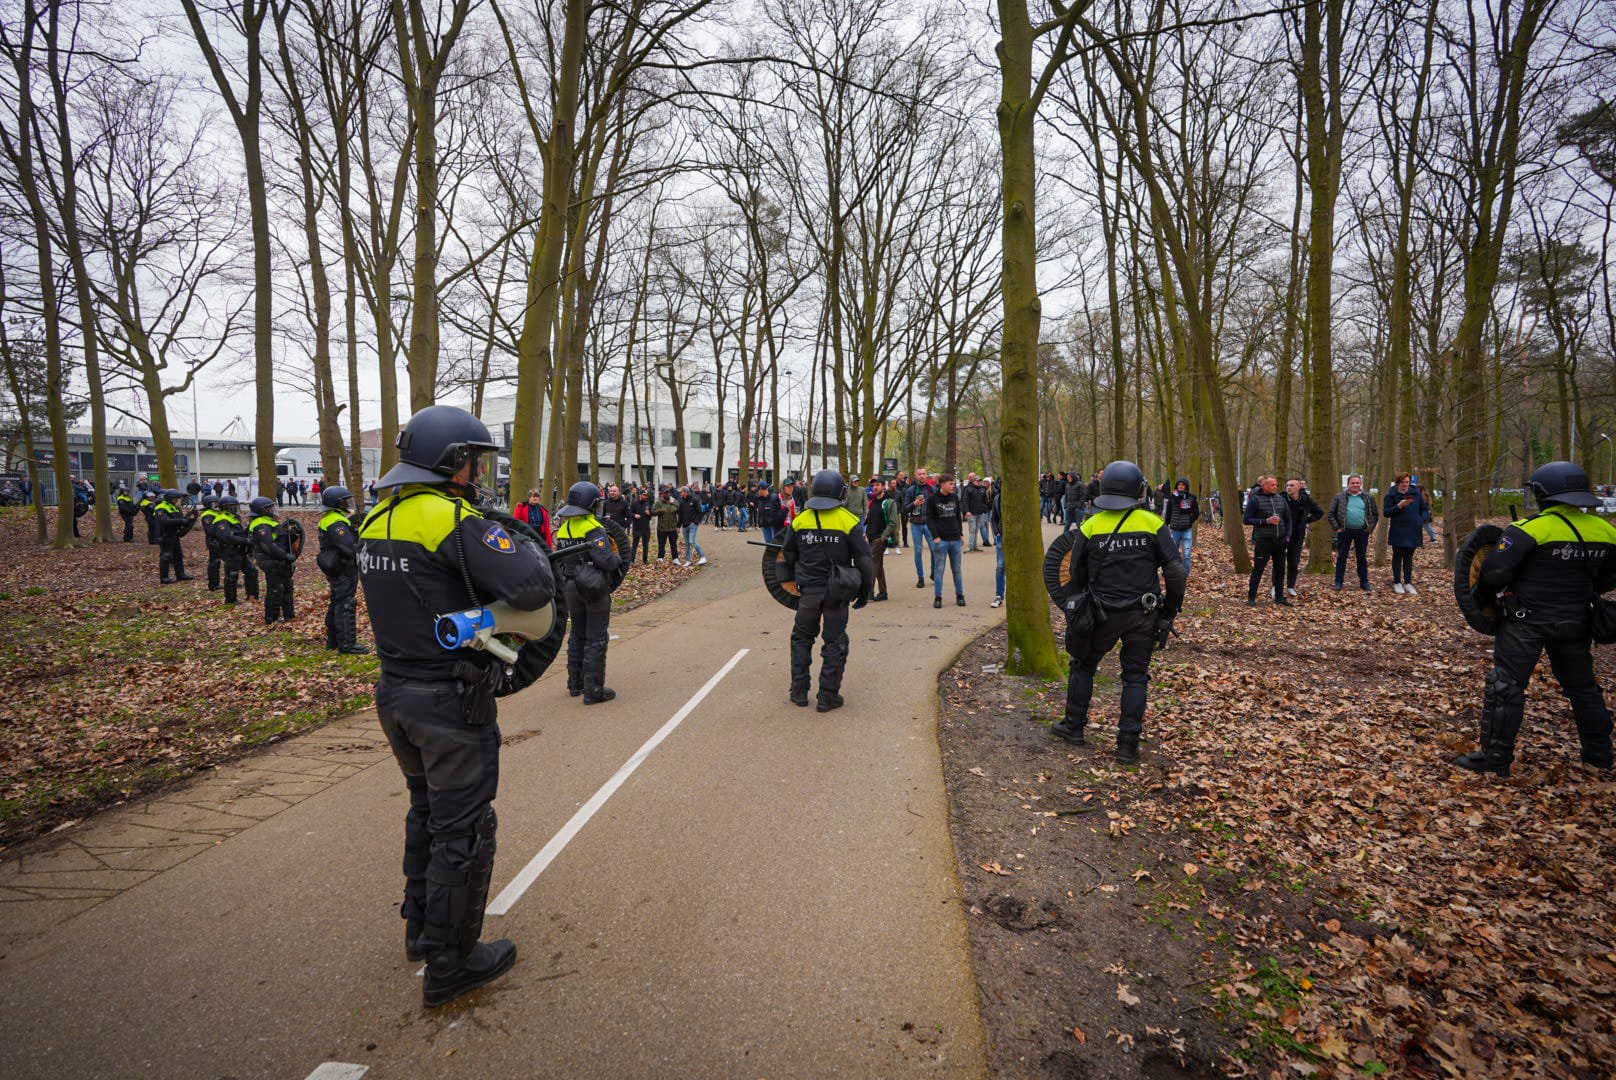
<point>1501,689</point>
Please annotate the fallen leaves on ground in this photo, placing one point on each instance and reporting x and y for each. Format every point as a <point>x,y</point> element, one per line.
<point>1384,910</point>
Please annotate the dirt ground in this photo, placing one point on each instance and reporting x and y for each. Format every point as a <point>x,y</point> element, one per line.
<point>1294,881</point>
<point>112,686</point>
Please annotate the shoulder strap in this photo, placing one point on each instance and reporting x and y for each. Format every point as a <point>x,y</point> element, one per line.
<point>1574,531</point>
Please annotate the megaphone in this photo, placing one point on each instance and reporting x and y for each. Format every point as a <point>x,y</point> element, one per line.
<point>479,628</point>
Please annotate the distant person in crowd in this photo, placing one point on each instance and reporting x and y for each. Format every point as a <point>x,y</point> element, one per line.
<point>537,517</point>
<point>640,521</point>
<point>919,530</point>
<point>617,508</point>
<point>996,519</point>
<point>1406,515</point>
<point>689,525</point>
<point>881,529</point>
<point>1304,512</point>
<point>945,519</point>
<point>1183,511</point>
<point>1353,516</point>
<point>666,511</point>
<point>1268,514</point>
<point>1074,499</point>
<point>975,500</point>
<point>771,514</point>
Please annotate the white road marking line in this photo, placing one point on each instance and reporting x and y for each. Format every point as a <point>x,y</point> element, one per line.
<point>510,894</point>
<point>337,1070</point>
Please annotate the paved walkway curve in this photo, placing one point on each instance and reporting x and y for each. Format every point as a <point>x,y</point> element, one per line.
<point>769,894</point>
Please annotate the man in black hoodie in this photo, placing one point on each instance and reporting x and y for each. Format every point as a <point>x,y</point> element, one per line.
<point>945,519</point>
<point>616,508</point>
<point>1183,511</point>
<point>1304,512</point>
<point>1073,499</point>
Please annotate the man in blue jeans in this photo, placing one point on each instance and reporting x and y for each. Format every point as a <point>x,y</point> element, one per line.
<point>1353,515</point>
<point>1183,510</point>
<point>946,520</point>
<point>919,531</point>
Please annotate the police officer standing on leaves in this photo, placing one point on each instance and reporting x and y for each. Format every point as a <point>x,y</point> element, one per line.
<point>209,515</point>
<point>235,544</point>
<point>339,562</point>
<point>1119,558</point>
<point>275,558</point>
<point>425,549</point>
<point>127,510</point>
<point>586,587</point>
<point>1546,573</point>
<point>172,523</point>
<point>825,552</point>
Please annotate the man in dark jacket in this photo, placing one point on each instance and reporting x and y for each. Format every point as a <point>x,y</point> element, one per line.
<point>945,519</point>
<point>1183,511</point>
<point>616,508</point>
<point>1304,512</point>
<point>640,519</point>
<point>1074,497</point>
<point>975,500</point>
<point>771,514</point>
<point>1353,516</point>
<point>1268,514</point>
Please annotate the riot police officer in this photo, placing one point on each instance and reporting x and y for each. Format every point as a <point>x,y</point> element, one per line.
<point>586,585</point>
<point>149,498</point>
<point>272,545</point>
<point>210,513</point>
<point>339,562</point>
<point>172,522</point>
<point>1545,573</point>
<point>1120,556</point>
<point>235,548</point>
<point>426,549</point>
<point>826,553</point>
<point>127,510</point>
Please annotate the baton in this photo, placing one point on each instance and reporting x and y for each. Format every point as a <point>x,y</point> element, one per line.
<point>760,543</point>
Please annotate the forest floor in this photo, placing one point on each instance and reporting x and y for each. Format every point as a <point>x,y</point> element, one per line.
<point>1294,880</point>
<point>112,686</point>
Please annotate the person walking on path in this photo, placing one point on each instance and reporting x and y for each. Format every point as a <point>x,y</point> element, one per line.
<point>945,520</point>
<point>881,528</point>
<point>919,531</point>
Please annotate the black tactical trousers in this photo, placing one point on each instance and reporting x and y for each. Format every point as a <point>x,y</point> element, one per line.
<point>446,742</point>
<point>586,637</point>
<point>640,540</point>
<point>215,564</point>
<point>239,564</point>
<point>342,613</point>
<point>817,616</point>
<point>1268,547</point>
<point>1515,655</point>
<point>1136,630</point>
<point>128,528</point>
<point>170,557</point>
<point>151,531</point>
<point>277,591</point>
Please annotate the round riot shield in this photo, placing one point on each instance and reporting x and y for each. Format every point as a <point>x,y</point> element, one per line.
<point>624,548</point>
<point>294,537</point>
<point>1467,568</point>
<point>1058,564</point>
<point>784,591</point>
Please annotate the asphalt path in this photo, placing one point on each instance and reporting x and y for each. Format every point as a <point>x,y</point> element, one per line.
<point>731,886</point>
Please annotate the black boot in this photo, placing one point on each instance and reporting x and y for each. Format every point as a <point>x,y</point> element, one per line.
<point>597,694</point>
<point>1128,749</point>
<point>799,695</point>
<point>412,934</point>
<point>575,684</point>
<point>1070,729</point>
<point>451,972</point>
<point>354,649</point>
<point>1503,709</point>
<point>827,702</point>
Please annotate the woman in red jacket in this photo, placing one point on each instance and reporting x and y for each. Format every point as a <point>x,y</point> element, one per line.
<point>537,517</point>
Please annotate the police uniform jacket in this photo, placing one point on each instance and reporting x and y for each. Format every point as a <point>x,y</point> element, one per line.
<point>233,537</point>
<point>420,550</point>
<point>1551,566</point>
<point>339,544</point>
<point>269,541</point>
<point>171,521</point>
<point>1120,556</point>
<point>589,572</point>
<point>818,541</point>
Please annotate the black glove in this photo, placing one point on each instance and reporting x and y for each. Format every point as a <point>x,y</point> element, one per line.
<point>863,598</point>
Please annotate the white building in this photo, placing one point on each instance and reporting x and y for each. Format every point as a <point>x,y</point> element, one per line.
<point>650,451</point>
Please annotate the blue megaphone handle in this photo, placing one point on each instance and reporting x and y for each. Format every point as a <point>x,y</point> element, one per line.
<point>459,629</point>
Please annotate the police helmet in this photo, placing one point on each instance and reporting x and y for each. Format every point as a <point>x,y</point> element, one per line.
<point>1562,482</point>
<point>173,495</point>
<point>262,506</point>
<point>229,504</point>
<point>581,500</point>
<point>435,443</point>
<point>1122,486</point>
<point>210,501</point>
<point>333,497</point>
<point>827,490</point>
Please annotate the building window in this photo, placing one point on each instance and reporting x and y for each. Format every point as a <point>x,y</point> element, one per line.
<point>608,433</point>
<point>505,435</point>
<point>583,430</point>
<point>583,470</point>
<point>701,440</point>
<point>793,446</point>
<point>670,437</point>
